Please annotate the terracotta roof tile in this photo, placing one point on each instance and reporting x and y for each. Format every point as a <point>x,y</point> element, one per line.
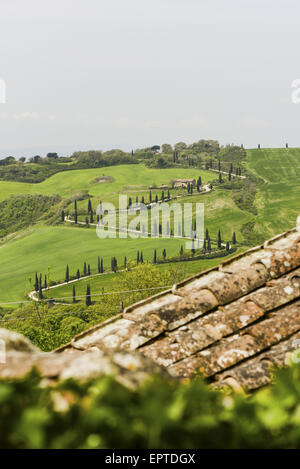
<point>230,322</point>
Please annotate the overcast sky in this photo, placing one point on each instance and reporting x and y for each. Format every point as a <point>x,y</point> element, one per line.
<point>128,73</point>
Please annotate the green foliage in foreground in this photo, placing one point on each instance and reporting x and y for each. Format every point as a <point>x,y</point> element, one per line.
<point>161,413</point>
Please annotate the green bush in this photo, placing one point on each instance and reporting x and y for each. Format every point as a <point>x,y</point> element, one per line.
<point>161,413</point>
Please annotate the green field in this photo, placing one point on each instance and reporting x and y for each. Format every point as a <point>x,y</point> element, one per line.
<point>278,199</point>
<point>57,246</point>
<point>68,183</point>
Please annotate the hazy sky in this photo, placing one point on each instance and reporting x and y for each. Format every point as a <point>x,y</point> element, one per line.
<point>129,73</point>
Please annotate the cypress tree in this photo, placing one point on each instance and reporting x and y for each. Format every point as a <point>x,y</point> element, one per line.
<point>40,292</point>
<point>74,294</point>
<point>150,197</point>
<point>219,166</point>
<point>164,254</point>
<point>169,194</point>
<point>229,177</point>
<point>227,246</point>
<point>129,202</point>
<point>143,200</point>
<point>45,283</point>
<point>142,258</point>
<point>181,251</point>
<point>156,198</point>
<point>78,274</point>
<point>155,257</point>
<point>219,240</point>
<point>162,196</point>
<point>102,270</point>
<point>91,218</point>
<point>87,221</point>
<point>36,283</point>
<point>89,269</point>
<point>75,212</point>
<point>67,274</point>
<point>84,269</point>
<point>206,234</point>
<point>88,300</point>
<point>62,215</point>
<point>209,245</point>
<point>40,282</point>
<point>90,206</point>
<point>138,257</point>
<point>234,238</point>
<point>99,265</point>
<point>220,178</point>
<point>125,262</point>
<point>204,245</point>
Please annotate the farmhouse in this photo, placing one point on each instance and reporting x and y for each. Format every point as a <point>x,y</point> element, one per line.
<point>183,183</point>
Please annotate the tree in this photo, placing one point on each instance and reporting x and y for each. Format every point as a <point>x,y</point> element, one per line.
<point>45,282</point>
<point>89,269</point>
<point>138,258</point>
<point>88,300</point>
<point>150,197</point>
<point>220,178</point>
<point>156,198</point>
<point>90,206</point>
<point>180,146</point>
<point>206,234</point>
<point>87,221</point>
<point>227,246</point>
<point>219,240</point>
<point>62,215</point>
<point>169,194</point>
<point>75,212</point>
<point>229,177</point>
<point>199,183</point>
<point>74,294</point>
<point>40,292</point>
<point>204,245</point>
<point>102,270</point>
<point>36,283</point>
<point>78,274</point>
<point>155,257</point>
<point>99,265</point>
<point>91,218</point>
<point>141,258</point>
<point>166,148</point>
<point>181,251</point>
<point>129,202</point>
<point>209,245</point>
<point>164,254</point>
<point>84,269</point>
<point>125,262</point>
<point>52,155</point>
<point>67,278</point>
<point>234,238</point>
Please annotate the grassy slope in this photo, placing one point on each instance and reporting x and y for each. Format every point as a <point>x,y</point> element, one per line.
<point>278,200</point>
<point>70,182</point>
<point>57,246</point>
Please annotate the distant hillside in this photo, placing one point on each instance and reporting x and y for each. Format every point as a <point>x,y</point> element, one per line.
<point>278,198</point>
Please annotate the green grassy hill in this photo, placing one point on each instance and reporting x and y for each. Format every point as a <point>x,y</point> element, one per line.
<point>56,246</point>
<point>68,183</point>
<point>278,198</point>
